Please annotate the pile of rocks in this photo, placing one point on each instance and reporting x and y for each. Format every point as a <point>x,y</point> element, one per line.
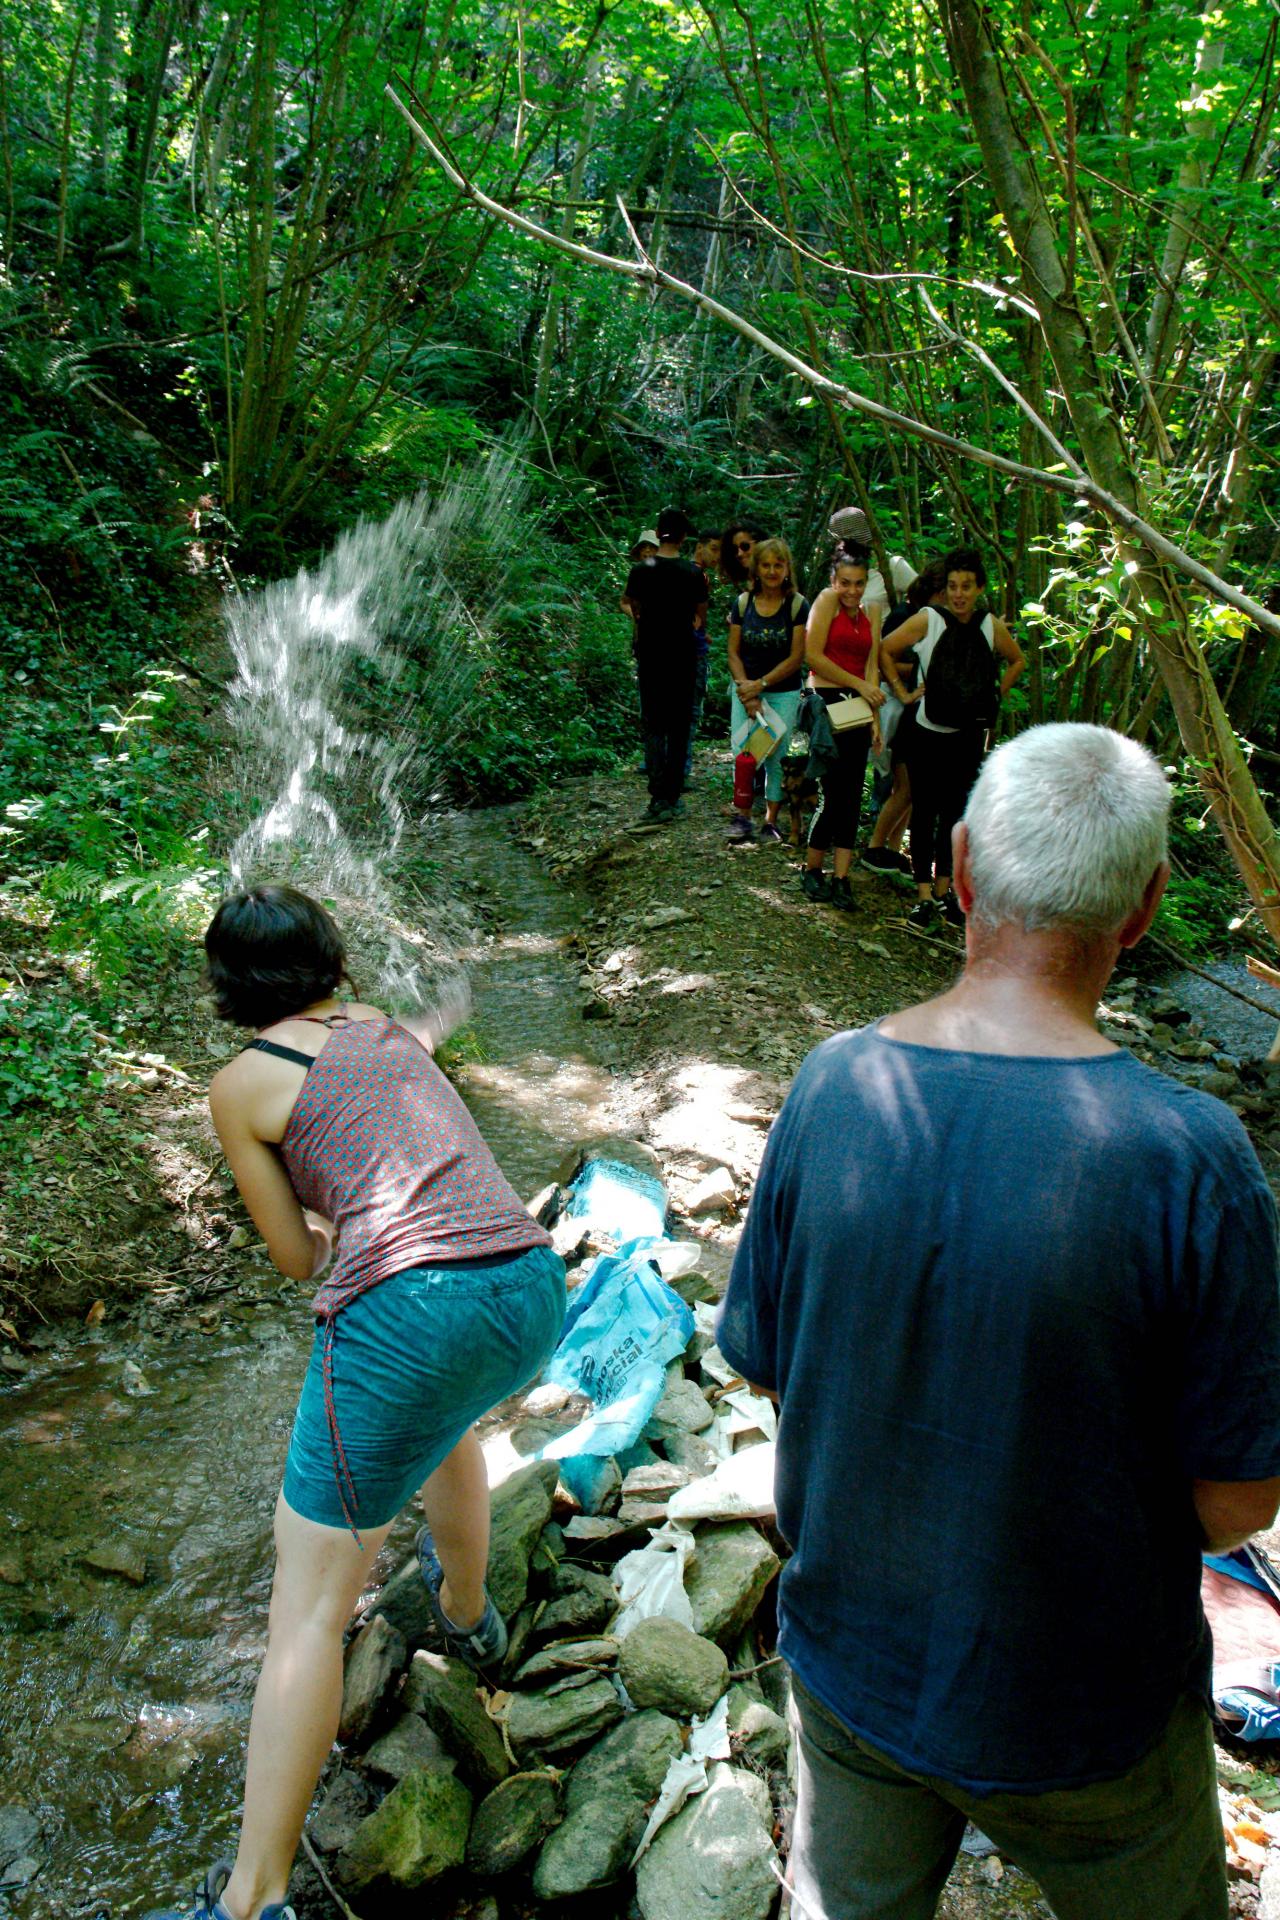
<point>538,1789</point>
<point>1152,1023</point>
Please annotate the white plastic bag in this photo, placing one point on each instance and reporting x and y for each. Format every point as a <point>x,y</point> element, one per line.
<point>650,1581</point>
<point>740,1488</point>
<point>708,1740</point>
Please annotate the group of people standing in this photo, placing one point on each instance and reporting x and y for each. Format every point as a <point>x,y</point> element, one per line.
<point>913,687</point>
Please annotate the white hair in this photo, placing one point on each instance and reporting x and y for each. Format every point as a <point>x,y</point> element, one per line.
<point>1066,824</point>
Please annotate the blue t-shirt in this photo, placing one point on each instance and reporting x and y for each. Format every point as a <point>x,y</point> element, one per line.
<point>1011,1308</point>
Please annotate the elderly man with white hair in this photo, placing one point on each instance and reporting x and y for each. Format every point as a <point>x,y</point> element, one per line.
<point>1016,1294</point>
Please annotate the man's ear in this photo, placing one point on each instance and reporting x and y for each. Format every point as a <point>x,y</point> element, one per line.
<point>1140,919</point>
<point>961,868</point>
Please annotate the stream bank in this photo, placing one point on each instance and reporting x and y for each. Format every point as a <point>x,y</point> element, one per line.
<point>647,983</point>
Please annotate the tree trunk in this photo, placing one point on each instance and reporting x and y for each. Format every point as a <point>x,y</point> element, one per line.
<point>559,275</point>
<point>104,59</point>
<point>1205,730</point>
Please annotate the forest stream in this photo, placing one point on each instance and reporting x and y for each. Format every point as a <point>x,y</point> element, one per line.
<point>133,1609</point>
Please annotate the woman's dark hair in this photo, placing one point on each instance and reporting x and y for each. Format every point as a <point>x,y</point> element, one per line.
<point>928,583</point>
<point>966,560</point>
<point>850,553</point>
<point>271,951</point>
<point>733,570</point>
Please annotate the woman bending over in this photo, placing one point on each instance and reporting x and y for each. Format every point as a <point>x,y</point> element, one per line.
<point>443,1298</point>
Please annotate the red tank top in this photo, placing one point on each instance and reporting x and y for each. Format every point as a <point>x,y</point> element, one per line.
<point>849,642</point>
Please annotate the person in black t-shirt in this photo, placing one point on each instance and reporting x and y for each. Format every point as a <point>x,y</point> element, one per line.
<point>667,599</point>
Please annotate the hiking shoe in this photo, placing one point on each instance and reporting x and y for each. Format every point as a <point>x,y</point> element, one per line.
<point>840,894</point>
<point>951,910</point>
<point>770,833</point>
<point>483,1645</point>
<point>209,1902</point>
<point>813,884</point>
<point>741,832</point>
<point>924,915</point>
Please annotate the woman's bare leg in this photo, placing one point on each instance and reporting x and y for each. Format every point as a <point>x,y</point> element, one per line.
<point>456,1503</point>
<point>319,1575</point>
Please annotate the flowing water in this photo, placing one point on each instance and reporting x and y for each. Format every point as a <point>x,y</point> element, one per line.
<point>124,1709</point>
<point>125,1694</point>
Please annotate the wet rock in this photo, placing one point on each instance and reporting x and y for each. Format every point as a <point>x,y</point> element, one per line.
<point>374,1662</point>
<point>567,1656</point>
<point>656,1481</point>
<point>1193,1050</point>
<point>729,1571</point>
<point>1161,1036</point>
<point>665,917</point>
<point>695,1287</point>
<point>516,1818</point>
<point>349,1799</point>
<point>1220,1084</point>
<point>581,1602</point>
<point>714,1859</point>
<point>549,1552</point>
<point>683,1408</point>
<point>20,1844</point>
<point>590,1530</point>
<point>716,1192</point>
<point>1166,1009</point>
<point>663,1665</point>
<point>518,1511</point>
<point>690,1451</point>
<point>755,1729</point>
<point>606,1803</point>
<point>418,1833</point>
<point>403,1604</point>
<point>562,1717</point>
<point>443,1691</point>
<point>125,1559</point>
<point>405,1747</point>
<point>641,1513</point>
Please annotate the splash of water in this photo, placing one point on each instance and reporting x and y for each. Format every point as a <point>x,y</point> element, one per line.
<point>347,755</point>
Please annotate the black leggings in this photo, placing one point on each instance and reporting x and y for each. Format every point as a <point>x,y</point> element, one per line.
<point>835,824</point>
<point>943,768</point>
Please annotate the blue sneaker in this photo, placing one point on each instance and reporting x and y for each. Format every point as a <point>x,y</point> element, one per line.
<point>209,1902</point>
<point>485,1645</point>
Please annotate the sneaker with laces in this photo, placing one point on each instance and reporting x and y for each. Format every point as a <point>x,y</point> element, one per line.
<point>741,832</point>
<point>840,894</point>
<point>209,1901</point>
<point>924,915</point>
<point>481,1646</point>
<point>770,833</point>
<point>813,884</point>
<point>951,910</point>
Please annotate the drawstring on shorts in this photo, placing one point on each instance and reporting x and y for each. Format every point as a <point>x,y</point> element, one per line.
<point>341,1471</point>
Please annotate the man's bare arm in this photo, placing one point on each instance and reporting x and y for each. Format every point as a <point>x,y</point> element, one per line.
<point>1232,1511</point>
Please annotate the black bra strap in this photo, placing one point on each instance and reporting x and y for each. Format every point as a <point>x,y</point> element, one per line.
<point>284,1053</point>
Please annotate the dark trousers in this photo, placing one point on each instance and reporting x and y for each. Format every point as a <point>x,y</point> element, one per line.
<point>666,716</point>
<point>871,1841</point>
<point>943,768</point>
<point>835,824</point>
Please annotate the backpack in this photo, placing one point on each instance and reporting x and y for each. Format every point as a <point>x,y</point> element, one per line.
<point>962,686</point>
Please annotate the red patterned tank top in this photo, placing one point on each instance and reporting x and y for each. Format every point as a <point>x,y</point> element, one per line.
<point>381,1144</point>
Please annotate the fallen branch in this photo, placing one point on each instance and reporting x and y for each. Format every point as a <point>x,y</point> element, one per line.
<point>348,1913</point>
<point>644,271</point>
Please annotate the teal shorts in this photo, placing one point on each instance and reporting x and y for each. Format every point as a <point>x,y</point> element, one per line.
<point>413,1363</point>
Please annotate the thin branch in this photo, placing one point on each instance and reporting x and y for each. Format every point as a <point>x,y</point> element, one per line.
<point>651,275</point>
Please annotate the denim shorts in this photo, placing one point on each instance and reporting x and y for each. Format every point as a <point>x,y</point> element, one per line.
<point>414,1363</point>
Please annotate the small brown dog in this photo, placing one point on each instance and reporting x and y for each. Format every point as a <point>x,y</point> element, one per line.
<point>800,794</point>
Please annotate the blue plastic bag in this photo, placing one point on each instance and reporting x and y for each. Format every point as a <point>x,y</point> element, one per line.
<point>624,1325</point>
<point>622,1201</point>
